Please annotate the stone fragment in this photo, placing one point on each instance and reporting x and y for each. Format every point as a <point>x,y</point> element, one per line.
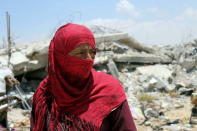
<point>159,71</point>
<point>19,119</point>
<point>151,113</point>
<point>4,71</point>
<point>131,42</point>
<point>137,113</point>
<point>113,69</point>
<point>156,84</point>
<point>174,127</point>
<point>186,91</point>
<point>19,62</point>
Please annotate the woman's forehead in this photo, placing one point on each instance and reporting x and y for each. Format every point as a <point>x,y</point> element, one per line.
<point>83,46</point>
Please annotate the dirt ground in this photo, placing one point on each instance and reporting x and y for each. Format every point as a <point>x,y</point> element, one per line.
<point>183,114</point>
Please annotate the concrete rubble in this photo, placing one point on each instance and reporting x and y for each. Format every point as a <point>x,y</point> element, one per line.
<point>18,119</point>
<point>158,81</point>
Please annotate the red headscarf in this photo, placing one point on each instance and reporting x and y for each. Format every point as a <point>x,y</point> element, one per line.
<point>72,85</point>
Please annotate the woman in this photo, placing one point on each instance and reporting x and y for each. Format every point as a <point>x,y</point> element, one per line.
<point>74,97</point>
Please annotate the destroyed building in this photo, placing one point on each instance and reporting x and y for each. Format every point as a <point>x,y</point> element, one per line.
<point>158,80</point>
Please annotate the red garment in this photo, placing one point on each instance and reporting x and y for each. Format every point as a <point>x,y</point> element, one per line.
<point>72,86</point>
<point>119,119</point>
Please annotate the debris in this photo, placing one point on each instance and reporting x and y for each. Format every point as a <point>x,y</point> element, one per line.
<point>21,94</point>
<point>194,108</point>
<point>5,106</point>
<point>186,91</point>
<point>129,41</point>
<point>151,113</point>
<point>18,119</point>
<point>137,113</point>
<point>4,71</point>
<point>174,127</point>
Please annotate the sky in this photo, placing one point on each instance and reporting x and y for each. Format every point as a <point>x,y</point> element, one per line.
<point>151,22</point>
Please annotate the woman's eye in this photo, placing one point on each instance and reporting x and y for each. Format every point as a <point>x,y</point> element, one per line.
<point>93,52</point>
<point>81,53</point>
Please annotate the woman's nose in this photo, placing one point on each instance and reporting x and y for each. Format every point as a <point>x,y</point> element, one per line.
<point>88,55</point>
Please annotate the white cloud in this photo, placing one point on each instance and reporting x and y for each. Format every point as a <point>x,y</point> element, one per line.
<point>172,30</point>
<point>126,8</point>
<point>153,10</point>
<point>190,13</point>
<point>162,32</point>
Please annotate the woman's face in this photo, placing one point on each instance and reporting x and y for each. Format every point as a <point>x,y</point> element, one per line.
<point>83,51</point>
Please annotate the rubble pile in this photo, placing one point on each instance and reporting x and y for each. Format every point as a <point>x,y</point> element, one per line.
<point>158,81</point>
<point>18,119</point>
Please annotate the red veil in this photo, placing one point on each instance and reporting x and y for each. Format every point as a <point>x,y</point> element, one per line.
<point>73,86</point>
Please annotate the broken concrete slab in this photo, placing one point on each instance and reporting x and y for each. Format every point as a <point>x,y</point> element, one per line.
<point>144,59</point>
<point>5,106</point>
<point>155,84</point>
<point>136,59</point>
<point>129,41</point>
<point>26,58</point>
<point>160,71</point>
<point>19,62</point>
